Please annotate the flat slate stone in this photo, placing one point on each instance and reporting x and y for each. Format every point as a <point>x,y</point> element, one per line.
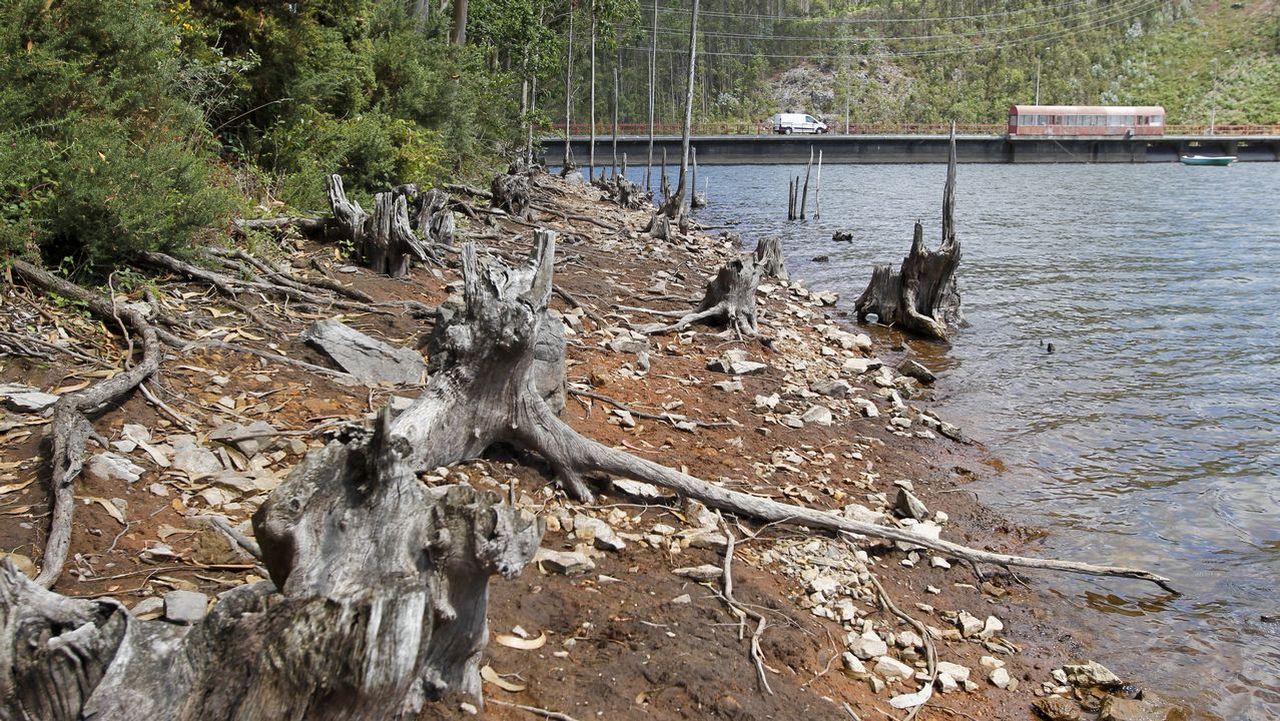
<point>25,399</point>
<point>366,358</point>
<point>185,606</point>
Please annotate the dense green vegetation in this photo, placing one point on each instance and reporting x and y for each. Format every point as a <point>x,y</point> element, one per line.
<point>130,124</point>
<point>133,124</point>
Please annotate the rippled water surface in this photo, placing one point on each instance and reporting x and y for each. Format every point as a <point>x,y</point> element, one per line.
<point>1150,436</point>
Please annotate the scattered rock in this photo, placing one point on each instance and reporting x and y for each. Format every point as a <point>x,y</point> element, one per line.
<point>955,671</point>
<point>598,532</point>
<point>707,539</point>
<point>196,462</point>
<point>112,467</point>
<point>25,399</point>
<point>568,563</point>
<point>1147,708</point>
<point>731,386</point>
<point>682,598</point>
<point>835,389</point>
<point>820,415</point>
<point>951,431</point>
<point>367,359</point>
<point>734,362</point>
<point>867,407</point>
<point>186,607</point>
<point>826,297</point>
<point>853,664</point>
<point>1000,678</point>
<point>908,506</point>
<point>891,668</point>
<point>991,627</point>
<point>868,645</point>
<point>705,572</point>
<point>249,440</point>
<point>1056,708</point>
<point>842,236</point>
<point>968,624</point>
<point>822,259</point>
<point>1091,674</point>
<point>913,369</point>
<point>639,489</point>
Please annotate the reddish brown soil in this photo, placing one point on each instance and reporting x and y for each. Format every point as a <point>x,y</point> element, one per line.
<point>632,653</point>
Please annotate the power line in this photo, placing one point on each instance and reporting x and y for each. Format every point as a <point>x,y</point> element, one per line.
<point>1095,24</point>
<point>866,21</point>
<point>891,38</point>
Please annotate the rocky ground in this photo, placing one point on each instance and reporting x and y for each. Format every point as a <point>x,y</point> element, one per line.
<point>627,611</point>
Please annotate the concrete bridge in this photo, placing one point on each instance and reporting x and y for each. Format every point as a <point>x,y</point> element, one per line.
<point>775,149</point>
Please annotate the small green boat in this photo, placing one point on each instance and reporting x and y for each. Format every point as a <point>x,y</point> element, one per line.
<point>1208,159</point>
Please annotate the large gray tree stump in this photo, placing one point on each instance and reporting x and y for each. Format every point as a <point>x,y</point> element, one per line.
<point>921,297</point>
<point>385,241</point>
<point>512,194</point>
<point>769,257</point>
<point>730,298</point>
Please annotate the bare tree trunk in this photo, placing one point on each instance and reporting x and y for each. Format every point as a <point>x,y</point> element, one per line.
<point>675,205</point>
<point>769,257</point>
<point>921,297</point>
<point>817,191</point>
<point>695,201</point>
<point>617,61</point>
<point>591,159</point>
<point>568,97</point>
<point>653,71</point>
<point>459,36</point>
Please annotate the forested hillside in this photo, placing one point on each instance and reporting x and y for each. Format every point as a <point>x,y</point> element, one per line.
<point>926,61</point>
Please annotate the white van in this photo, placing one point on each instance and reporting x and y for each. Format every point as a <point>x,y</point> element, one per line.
<point>788,123</point>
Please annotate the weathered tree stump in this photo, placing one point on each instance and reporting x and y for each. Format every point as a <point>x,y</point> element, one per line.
<point>769,258</point>
<point>511,193</point>
<point>730,298</point>
<point>921,297</point>
<point>433,219</point>
<point>385,241</point>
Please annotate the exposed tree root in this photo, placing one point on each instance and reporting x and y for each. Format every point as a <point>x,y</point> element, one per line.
<point>71,430</point>
<point>674,419</point>
<point>730,298</point>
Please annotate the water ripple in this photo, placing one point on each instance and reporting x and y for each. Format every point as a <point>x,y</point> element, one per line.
<point>1150,436</point>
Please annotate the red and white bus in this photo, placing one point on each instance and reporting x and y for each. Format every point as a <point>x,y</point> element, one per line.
<point>1085,120</point>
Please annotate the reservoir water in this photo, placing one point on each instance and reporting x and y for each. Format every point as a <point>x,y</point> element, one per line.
<point>1150,437</point>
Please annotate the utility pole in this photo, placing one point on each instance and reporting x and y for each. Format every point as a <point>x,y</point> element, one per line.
<point>653,71</point>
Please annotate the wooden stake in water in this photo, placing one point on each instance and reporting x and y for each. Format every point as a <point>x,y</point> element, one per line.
<point>804,196</point>
<point>817,191</point>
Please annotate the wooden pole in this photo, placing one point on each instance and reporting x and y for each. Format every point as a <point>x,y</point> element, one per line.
<point>675,208</point>
<point>791,199</point>
<point>804,197</point>
<point>568,93</point>
<point>693,192</point>
<point>591,157</point>
<point>653,71</point>
<point>617,60</point>
<point>666,186</point>
<point>817,191</point>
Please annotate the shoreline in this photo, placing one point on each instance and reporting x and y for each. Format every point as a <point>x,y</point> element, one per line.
<point>681,647</point>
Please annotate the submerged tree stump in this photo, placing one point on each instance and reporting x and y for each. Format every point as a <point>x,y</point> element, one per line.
<point>921,297</point>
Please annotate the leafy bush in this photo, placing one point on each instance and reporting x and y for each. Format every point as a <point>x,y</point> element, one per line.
<point>99,158</point>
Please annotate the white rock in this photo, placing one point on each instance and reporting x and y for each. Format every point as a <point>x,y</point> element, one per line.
<point>868,645</point>
<point>866,407</point>
<point>639,489</point>
<point>767,402</point>
<point>939,562</point>
<point>992,663</point>
<point>853,664</point>
<point>954,670</point>
<point>891,668</point>
<point>946,683</point>
<point>820,415</point>
<point>969,624</point>
<point>1000,678</point>
<point>113,467</point>
<point>683,598</point>
<point>197,462</point>
<point>25,399</point>
<point>991,627</point>
<point>569,563</point>
<point>598,532</point>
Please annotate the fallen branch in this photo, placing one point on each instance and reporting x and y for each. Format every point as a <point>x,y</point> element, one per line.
<point>553,715</point>
<point>931,651</point>
<point>71,430</point>
<point>757,656</point>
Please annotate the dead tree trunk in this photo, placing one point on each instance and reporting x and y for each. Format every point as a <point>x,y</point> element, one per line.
<point>695,200</point>
<point>769,258</point>
<point>921,297</point>
<point>591,156</point>
<point>389,242</point>
<point>653,71</point>
<point>804,196</point>
<point>566,167</point>
<point>674,205</point>
<point>433,219</point>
